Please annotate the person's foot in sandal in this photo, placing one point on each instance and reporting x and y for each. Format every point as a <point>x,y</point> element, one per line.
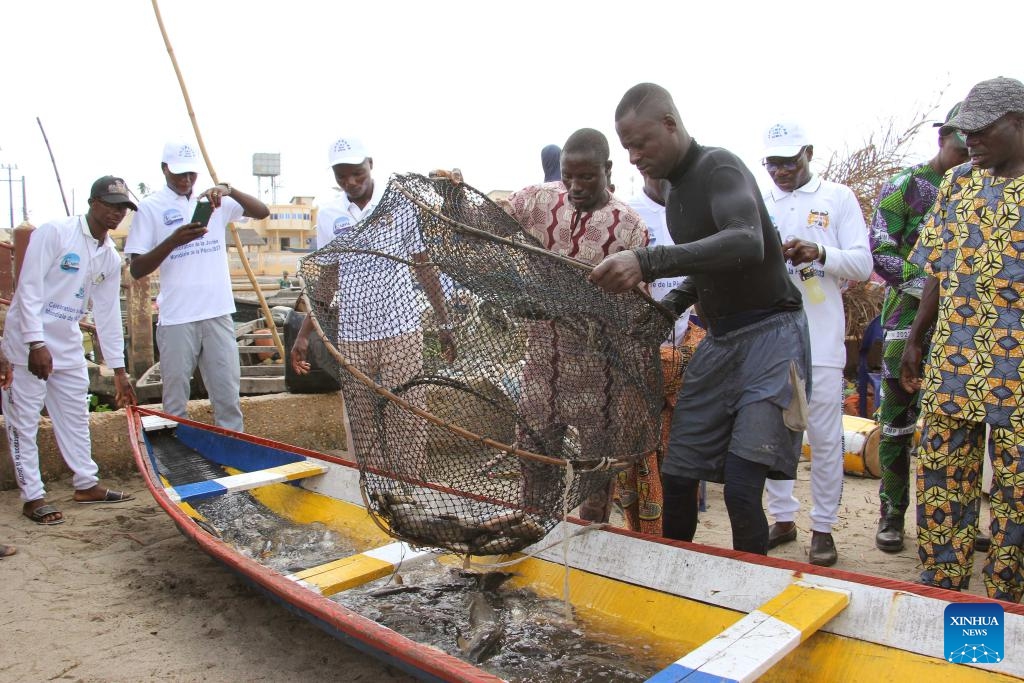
<point>99,494</point>
<point>41,512</point>
<point>7,550</point>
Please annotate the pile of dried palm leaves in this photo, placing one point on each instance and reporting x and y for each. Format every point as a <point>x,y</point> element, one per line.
<point>863,302</point>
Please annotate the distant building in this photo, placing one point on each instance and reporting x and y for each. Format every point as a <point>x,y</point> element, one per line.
<point>289,227</point>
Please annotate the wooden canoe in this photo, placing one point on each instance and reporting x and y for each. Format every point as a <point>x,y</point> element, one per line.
<point>701,613</point>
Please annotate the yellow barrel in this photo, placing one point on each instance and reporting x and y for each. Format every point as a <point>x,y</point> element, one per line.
<point>860,447</point>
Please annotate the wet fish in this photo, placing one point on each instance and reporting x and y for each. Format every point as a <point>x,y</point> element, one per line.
<point>485,630</point>
<point>394,590</point>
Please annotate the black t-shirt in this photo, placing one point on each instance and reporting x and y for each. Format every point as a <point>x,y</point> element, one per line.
<point>725,243</point>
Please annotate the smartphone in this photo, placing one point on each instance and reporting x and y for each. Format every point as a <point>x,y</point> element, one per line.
<point>202,213</point>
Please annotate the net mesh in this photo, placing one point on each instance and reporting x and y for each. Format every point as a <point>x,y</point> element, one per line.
<point>469,454</point>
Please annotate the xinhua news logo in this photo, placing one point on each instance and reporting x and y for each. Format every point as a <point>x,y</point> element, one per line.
<point>974,633</point>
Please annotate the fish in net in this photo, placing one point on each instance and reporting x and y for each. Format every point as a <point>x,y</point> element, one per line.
<point>554,387</point>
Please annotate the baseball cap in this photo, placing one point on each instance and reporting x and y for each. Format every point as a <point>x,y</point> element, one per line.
<point>346,151</point>
<point>112,190</point>
<point>987,101</point>
<point>784,139</point>
<point>181,157</point>
<point>943,126</point>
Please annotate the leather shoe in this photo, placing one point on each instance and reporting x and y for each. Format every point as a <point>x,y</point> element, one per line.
<point>781,532</point>
<point>890,534</point>
<point>823,550</point>
<point>982,543</point>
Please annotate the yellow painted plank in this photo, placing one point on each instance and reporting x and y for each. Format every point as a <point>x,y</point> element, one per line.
<point>345,573</point>
<point>806,607</point>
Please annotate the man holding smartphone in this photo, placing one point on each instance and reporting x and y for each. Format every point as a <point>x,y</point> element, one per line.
<point>195,299</point>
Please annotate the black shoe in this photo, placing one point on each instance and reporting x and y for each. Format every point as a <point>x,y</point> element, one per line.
<point>823,550</point>
<point>981,543</point>
<point>781,532</point>
<point>890,534</point>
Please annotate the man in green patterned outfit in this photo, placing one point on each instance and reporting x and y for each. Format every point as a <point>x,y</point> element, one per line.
<point>972,247</point>
<point>902,206</point>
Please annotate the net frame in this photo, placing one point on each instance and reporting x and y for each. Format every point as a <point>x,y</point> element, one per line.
<point>506,525</point>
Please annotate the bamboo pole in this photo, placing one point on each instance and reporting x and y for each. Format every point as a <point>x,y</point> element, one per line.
<point>53,161</point>
<point>213,174</point>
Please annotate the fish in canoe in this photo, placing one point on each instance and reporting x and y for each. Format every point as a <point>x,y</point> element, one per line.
<point>583,603</point>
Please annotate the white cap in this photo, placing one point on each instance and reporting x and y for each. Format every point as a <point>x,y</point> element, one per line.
<point>346,151</point>
<point>784,139</point>
<point>181,157</point>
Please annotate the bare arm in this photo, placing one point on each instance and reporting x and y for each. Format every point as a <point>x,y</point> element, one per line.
<point>142,265</point>
<point>427,276</point>
<point>927,314</point>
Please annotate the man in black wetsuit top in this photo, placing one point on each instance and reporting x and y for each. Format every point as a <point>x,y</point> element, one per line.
<point>742,408</point>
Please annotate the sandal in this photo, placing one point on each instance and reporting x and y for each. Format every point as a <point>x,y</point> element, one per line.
<point>40,514</point>
<point>110,496</point>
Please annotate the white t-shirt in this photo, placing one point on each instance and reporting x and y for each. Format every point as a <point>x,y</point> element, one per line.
<point>378,299</point>
<point>195,281</point>
<point>65,267</point>
<point>826,213</point>
<point>337,216</point>
<point>653,215</point>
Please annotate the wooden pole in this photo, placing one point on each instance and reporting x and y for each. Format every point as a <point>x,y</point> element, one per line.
<point>213,174</point>
<point>53,161</point>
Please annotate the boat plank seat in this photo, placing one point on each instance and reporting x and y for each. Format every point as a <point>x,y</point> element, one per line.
<point>751,646</point>
<point>245,481</point>
<point>348,572</point>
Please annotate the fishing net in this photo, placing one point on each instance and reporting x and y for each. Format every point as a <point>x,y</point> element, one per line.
<point>554,387</point>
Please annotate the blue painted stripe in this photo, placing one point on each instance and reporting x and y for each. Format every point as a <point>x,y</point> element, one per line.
<point>232,452</point>
<point>200,490</point>
<point>674,673</point>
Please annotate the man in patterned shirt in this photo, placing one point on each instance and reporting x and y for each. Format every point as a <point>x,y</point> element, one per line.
<point>971,246</point>
<point>577,217</point>
<point>902,206</point>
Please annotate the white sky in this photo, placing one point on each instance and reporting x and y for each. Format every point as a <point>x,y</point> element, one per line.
<point>477,85</point>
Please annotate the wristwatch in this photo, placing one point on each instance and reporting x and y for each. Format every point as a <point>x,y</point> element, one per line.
<point>227,188</point>
<point>36,345</point>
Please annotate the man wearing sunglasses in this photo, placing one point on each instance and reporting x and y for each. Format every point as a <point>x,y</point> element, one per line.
<point>971,248</point>
<point>825,242</point>
<point>69,262</point>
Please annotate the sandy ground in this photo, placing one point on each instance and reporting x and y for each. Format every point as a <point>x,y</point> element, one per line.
<point>117,594</point>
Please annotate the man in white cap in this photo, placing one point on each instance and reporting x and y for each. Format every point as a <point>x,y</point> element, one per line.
<point>195,299</point>
<point>69,262</point>
<point>970,248</point>
<point>369,333</point>
<point>825,241</point>
<point>352,166</point>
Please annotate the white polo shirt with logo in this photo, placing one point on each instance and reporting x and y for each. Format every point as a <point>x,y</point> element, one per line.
<point>65,267</point>
<point>195,280</point>
<point>337,216</point>
<point>378,299</point>
<point>828,214</point>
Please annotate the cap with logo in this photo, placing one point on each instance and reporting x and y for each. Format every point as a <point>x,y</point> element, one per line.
<point>347,151</point>
<point>987,102</point>
<point>784,139</point>
<point>181,157</point>
<point>112,190</point>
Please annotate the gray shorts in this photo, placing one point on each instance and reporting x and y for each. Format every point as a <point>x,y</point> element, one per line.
<point>733,395</point>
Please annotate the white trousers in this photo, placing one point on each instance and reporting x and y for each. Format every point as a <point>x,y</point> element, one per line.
<point>825,436</point>
<point>64,395</point>
<point>210,344</point>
